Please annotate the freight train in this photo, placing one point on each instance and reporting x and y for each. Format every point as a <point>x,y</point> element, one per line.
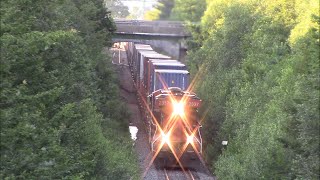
<point>170,110</point>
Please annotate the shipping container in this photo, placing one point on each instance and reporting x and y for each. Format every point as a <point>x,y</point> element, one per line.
<point>139,66</point>
<point>161,65</point>
<point>135,54</point>
<point>151,61</point>
<point>164,78</point>
<point>163,60</point>
<point>145,56</point>
<point>138,47</point>
<point>168,65</point>
<point>129,50</point>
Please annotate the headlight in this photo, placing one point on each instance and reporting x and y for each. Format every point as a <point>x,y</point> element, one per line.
<point>190,139</point>
<point>178,109</point>
<point>165,138</point>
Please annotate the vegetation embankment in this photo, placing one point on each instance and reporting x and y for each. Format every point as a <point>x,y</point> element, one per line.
<point>258,63</point>
<point>260,80</point>
<point>61,117</point>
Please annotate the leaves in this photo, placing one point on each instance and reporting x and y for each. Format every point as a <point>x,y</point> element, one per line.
<point>53,95</point>
<point>186,10</point>
<point>261,88</point>
<point>190,10</point>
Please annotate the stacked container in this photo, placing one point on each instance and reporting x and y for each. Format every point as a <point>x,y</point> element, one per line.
<point>162,65</point>
<point>142,68</point>
<point>164,78</point>
<point>136,55</point>
<point>153,71</point>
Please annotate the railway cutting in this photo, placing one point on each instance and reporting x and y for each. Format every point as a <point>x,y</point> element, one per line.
<point>163,113</point>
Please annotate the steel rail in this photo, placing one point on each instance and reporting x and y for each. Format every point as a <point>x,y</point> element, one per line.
<point>191,176</point>
<point>166,174</point>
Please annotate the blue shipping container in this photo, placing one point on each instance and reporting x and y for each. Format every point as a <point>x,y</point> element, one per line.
<point>144,61</point>
<point>177,66</point>
<point>164,78</point>
<point>169,65</point>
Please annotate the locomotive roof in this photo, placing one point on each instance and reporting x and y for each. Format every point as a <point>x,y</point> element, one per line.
<point>171,71</point>
<point>164,93</point>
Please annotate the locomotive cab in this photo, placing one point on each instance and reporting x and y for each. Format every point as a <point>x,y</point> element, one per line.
<point>176,128</point>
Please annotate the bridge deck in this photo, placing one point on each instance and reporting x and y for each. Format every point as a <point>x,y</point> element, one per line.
<point>152,28</point>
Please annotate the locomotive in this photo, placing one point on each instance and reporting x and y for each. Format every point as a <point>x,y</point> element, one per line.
<point>170,109</point>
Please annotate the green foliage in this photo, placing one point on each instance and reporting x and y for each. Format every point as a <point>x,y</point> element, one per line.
<point>58,94</point>
<point>161,11</point>
<point>188,10</point>
<point>180,10</point>
<point>117,8</point>
<point>259,65</point>
<point>153,14</point>
<point>165,8</point>
<point>306,63</point>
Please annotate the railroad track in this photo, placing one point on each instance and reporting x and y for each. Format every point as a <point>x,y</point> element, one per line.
<point>197,168</point>
<point>176,174</point>
<point>191,175</point>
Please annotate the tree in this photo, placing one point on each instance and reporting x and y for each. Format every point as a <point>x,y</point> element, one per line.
<point>190,10</point>
<point>259,66</point>
<point>153,14</point>
<point>56,103</point>
<point>117,8</point>
<point>162,11</point>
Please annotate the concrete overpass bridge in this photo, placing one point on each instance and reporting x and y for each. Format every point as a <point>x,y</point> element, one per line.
<point>167,37</point>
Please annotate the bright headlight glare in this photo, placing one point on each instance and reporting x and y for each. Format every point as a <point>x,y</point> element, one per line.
<point>165,138</point>
<point>190,139</point>
<point>178,109</point>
